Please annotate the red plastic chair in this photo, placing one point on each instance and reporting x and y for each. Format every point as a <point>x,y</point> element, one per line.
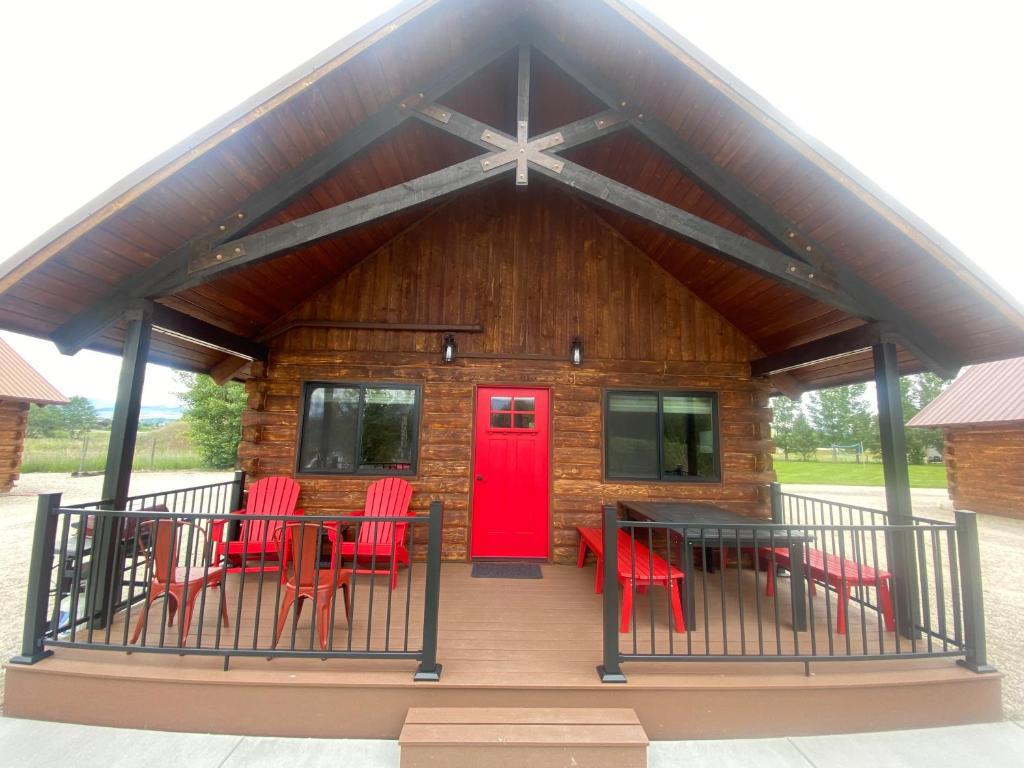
<point>307,581</point>
<point>378,542</point>
<point>260,540</point>
<point>181,585</point>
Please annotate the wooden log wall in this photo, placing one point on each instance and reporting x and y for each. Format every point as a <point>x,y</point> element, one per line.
<point>985,467</point>
<point>535,269</point>
<point>13,422</point>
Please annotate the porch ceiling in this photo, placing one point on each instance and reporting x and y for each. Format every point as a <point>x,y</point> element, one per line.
<point>186,194</point>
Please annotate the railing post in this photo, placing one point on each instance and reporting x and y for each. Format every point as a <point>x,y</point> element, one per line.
<point>610,671</point>
<point>973,601</point>
<point>429,670</point>
<point>778,516</point>
<point>39,576</point>
<point>237,494</point>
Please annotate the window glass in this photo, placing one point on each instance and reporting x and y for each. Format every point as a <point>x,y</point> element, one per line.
<point>501,403</point>
<point>687,429</point>
<point>349,428</point>
<point>501,420</point>
<point>632,435</point>
<point>524,404</point>
<point>661,435</point>
<point>524,421</point>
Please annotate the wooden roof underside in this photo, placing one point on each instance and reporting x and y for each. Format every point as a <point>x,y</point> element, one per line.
<point>53,281</point>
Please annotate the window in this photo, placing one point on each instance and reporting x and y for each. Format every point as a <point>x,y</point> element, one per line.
<point>662,436</point>
<point>359,428</point>
<point>513,413</point>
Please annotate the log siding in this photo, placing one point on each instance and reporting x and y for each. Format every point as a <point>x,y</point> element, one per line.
<point>13,423</point>
<point>985,467</point>
<point>534,271</point>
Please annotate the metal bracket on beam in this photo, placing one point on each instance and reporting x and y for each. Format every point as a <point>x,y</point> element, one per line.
<point>437,112</point>
<point>216,256</point>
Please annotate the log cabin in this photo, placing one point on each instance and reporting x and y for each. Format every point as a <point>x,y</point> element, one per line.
<point>982,420</point>
<point>547,262</point>
<point>21,386</point>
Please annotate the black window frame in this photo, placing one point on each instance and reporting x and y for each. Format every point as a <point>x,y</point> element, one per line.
<point>716,451</point>
<point>362,386</point>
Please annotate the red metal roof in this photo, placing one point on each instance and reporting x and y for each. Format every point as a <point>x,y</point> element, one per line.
<point>20,381</point>
<point>982,394</point>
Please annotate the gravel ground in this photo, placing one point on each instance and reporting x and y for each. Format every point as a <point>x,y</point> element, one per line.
<point>1002,541</point>
<point>17,513</point>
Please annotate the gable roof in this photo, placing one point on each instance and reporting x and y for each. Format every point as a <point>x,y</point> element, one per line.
<point>20,381</point>
<point>983,394</point>
<point>178,196</point>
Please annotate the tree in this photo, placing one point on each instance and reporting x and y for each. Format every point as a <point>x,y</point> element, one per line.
<point>784,413</point>
<point>804,438</point>
<point>916,392</point>
<point>214,417</point>
<point>841,414</point>
<point>73,419</point>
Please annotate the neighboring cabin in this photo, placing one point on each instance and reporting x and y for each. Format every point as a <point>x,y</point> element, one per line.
<point>982,420</point>
<point>20,386</point>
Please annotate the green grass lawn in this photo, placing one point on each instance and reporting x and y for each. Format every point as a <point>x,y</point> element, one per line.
<point>166,448</point>
<point>850,473</point>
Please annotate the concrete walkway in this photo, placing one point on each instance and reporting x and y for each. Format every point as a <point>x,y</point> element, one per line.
<point>35,743</point>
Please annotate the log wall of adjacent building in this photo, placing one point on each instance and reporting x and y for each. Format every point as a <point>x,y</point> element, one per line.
<point>985,468</point>
<point>13,422</point>
<point>534,270</point>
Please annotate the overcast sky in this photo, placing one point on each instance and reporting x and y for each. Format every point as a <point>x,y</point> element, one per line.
<point>923,97</point>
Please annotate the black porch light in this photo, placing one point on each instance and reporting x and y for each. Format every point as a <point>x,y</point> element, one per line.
<point>576,351</point>
<point>448,348</point>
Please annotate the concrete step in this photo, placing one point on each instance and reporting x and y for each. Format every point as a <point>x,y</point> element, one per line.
<point>500,737</point>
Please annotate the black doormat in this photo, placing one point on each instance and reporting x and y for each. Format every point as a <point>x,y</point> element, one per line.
<point>506,571</point>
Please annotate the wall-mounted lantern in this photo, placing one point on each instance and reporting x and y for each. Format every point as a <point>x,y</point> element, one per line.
<point>448,348</point>
<point>576,351</point>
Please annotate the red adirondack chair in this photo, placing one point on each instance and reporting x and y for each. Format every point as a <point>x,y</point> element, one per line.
<point>260,540</point>
<point>307,581</point>
<point>379,546</point>
<point>180,585</point>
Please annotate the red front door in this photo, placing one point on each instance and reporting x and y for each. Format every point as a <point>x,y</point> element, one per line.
<point>510,473</point>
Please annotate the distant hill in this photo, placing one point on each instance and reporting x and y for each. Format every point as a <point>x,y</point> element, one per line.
<point>148,413</point>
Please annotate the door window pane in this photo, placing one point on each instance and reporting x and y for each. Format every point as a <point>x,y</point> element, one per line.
<point>524,404</point>
<point>501,403</point>
<point>501,420</point>
<point>632,435</point>
<point>524,421</point>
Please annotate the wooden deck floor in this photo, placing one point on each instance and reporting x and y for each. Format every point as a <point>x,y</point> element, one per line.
<point>502,643</point>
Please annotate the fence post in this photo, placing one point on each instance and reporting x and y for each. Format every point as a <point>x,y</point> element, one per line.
<point>610,671</point>
<point>973,600</point>
<point>778,516</point>
<point>429,670</point>
<point>39,575</point>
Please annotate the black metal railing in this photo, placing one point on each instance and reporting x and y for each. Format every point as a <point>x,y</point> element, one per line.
<point>362,601</point>
<point>776,591</point>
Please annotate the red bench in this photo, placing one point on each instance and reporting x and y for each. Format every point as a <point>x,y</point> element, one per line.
<point>837,572</point>
<point>648,569</point>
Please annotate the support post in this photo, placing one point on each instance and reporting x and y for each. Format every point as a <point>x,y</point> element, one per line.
<point>897,487</point>
<point>778,515</point>
<point>429,670</point>
<point>39,575</point>
<point>104,573</point>
<point>973,601</point>
<point>610,671</point>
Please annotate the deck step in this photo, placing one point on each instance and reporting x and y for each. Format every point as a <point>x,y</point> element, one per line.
<point>512,737</point>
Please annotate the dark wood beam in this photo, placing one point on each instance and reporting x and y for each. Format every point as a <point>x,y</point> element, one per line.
<point>694,229</point>
<point>761,216</point>
<point>292,234</point>
<point>900,544</point>
<point>352,325</point>
<point>523,112</point>
<point>837,345</point>
<point>118,472</point>
<point>81,329</point>
<point>175,323</point>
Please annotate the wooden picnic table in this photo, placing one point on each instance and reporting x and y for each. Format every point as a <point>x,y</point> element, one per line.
<point>754,533</point>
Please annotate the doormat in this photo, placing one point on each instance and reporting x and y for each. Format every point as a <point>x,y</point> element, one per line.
<point>506,571</point>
